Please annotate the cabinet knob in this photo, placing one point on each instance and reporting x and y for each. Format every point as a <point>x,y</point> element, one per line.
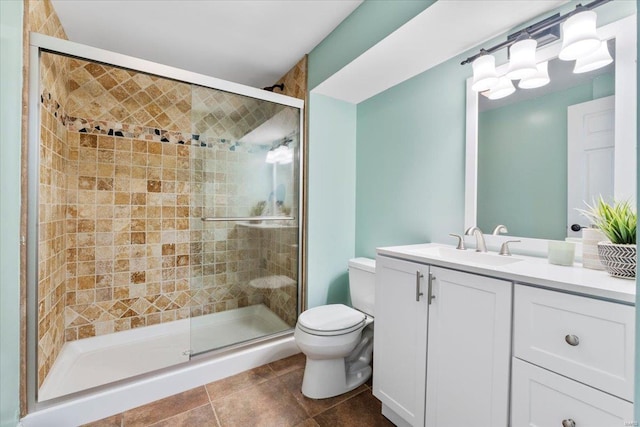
<point>572,340</point>
<point>568,423</point>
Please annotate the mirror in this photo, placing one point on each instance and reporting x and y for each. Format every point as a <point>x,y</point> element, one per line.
<point>517,169</point>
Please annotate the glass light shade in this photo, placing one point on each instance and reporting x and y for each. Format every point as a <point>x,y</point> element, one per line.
<point>280,155</point>
<point>271,157</point>
<point>539,79</point>
<point>597,59</point>
<point>522,63</point>
<point>484,73</point>
<point>286,156</point>
<point>502,89</point>
<point>579,36</point>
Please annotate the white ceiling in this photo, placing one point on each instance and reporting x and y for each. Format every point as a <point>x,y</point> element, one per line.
<point>444,30</point>
<point>253,42</point>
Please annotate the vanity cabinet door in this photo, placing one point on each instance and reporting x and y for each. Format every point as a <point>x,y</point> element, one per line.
<point>542,398</point>
<point>400,339</point>
<point>469,350</point>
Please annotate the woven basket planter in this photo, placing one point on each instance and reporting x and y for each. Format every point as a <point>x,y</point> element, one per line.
<point>618,260</point>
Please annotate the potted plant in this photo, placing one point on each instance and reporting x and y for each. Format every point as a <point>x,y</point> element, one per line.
<point>618,221</point>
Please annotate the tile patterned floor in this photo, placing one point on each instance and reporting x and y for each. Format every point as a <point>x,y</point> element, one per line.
<point>266,396</point>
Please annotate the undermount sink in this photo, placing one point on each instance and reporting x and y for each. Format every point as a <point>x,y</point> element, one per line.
<point>466,256</point>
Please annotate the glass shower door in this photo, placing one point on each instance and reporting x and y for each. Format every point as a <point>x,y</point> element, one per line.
<point>244,222</point>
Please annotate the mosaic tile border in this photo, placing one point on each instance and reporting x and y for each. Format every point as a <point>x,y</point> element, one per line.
<point>53,106</point>
<point>125,130</point>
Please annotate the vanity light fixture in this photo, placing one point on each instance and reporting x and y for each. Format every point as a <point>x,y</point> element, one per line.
<point>539,79</point>
<point>598,59</point>
<point>579,41</point>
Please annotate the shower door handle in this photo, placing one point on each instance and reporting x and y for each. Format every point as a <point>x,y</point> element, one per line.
<point>249,218</point>
<point>419,276</point>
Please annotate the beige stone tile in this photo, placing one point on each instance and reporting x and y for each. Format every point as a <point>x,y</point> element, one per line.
<point>113,421</point>
<point>293,381</point>
<point>227,386</point>
<point>166,408</point>
<point>309,422</point>
<point>202,416</point>
<point>363,410</point>
<point>288,364</point>
<point>267,404</point>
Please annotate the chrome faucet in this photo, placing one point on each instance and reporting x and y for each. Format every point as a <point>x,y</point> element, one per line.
<point>500,229</point>
<point>481,246</point>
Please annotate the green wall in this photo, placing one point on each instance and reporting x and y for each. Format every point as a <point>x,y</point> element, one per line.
<point>372,21</point>
<point>332,147</point>
<point>529,198</point>
<point>410,153</point>
<point>410,161</point>
<point>331,227</point>
<point>10,126</point>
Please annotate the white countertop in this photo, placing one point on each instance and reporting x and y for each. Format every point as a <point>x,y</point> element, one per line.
<point>532,270</point>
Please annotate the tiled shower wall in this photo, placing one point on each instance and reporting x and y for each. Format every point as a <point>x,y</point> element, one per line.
<point>160,263</point>
<point>136,252</point>
<point>51,239</point>
<point>128,241</point>
<point>240,258</point>
<point>115,95</point>
<point>41,18</point>
<point>295,81</point>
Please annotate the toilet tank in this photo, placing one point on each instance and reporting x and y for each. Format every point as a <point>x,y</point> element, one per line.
<point>362,284</point>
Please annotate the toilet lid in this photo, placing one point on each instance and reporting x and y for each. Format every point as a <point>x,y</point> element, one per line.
<point>332,319</point>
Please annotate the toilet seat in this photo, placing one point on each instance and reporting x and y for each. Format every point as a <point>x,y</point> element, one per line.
<point>331,320</point>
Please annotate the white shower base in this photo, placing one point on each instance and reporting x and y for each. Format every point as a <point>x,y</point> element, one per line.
<point>95,361</point>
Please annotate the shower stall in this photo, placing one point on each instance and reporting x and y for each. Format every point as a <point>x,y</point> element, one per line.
<point>164,217</point>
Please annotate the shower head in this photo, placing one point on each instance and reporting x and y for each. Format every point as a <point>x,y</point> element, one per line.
<point>271,88</point>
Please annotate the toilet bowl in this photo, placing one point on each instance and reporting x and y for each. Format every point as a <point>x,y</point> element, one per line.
<point>338,340</point>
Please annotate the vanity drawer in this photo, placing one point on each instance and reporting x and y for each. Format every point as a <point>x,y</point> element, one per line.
<point>589,340</point>
<point>542,398</point>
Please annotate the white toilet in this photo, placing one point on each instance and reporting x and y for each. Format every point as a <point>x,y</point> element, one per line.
<point>338,340</point>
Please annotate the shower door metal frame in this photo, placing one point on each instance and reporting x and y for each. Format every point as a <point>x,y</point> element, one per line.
<point>39,43</point>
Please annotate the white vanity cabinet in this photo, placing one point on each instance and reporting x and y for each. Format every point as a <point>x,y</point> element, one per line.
<point>468,350</point>
<point>400,339</point>
<point>477,339</point>
<point>573,360</point>
<point>441,355</point>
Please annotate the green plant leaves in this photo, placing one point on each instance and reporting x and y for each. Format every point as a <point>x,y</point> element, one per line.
<point>618,222</point>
